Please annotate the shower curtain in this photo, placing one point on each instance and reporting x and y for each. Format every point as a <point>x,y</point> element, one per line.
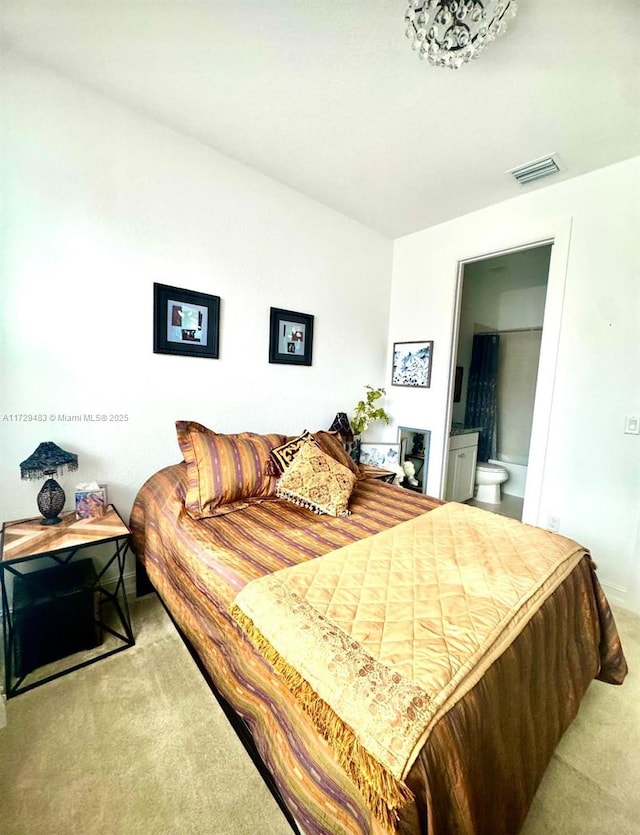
<point>482,401</point>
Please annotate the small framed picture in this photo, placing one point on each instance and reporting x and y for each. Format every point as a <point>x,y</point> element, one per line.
<point>185,322</point>
<point>457,386</point>
<point>412,364</point>
<point>380,455</point>
<point>290,337</point>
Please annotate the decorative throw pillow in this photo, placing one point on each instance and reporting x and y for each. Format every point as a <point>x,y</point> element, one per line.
<point>225,472</point>
<point>329,443</point>
<point>285,454</point>
<point>317,481</point>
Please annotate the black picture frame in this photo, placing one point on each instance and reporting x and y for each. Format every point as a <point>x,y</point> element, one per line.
<point>290,337</point>
<point>185,322</point>
<point>457,386</point>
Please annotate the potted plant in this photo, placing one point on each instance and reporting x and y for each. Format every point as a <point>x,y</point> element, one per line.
<point>366,412</point>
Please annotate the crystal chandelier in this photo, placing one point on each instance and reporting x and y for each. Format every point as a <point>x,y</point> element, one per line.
<point>448,33</point>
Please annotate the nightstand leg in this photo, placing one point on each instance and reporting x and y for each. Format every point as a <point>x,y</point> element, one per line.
<point>6,633</point>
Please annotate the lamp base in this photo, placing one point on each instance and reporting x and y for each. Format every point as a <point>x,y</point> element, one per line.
<point>353,449</point>
<point>55,521</point>
<point>50,502</point>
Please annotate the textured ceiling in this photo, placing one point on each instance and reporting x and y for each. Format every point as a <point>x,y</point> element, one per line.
<point>327,96</point>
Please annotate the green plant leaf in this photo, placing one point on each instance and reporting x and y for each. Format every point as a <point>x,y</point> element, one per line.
<point>366,412</point>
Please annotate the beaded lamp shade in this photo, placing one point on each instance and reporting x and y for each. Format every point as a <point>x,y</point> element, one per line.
<point>45,461</point>
<point>342,426</point>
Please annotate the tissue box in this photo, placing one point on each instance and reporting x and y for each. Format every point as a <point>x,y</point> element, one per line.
<point>91,502</point>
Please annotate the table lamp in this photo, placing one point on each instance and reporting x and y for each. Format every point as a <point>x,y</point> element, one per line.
<point>45,461</point>
<point>342,426</point>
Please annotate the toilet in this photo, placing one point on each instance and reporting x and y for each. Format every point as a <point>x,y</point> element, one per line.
<point>489,477</point>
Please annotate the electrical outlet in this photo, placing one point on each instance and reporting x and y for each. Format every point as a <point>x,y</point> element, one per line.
<point>553,523</point>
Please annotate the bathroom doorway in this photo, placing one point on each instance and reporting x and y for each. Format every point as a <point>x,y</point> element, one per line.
<point>499,333</point>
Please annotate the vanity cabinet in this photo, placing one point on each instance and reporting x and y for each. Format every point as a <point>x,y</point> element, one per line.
<point>461,468</point>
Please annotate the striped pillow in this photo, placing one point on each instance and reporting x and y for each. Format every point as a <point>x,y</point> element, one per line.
<point>330,443</point>
<point>225,472</point>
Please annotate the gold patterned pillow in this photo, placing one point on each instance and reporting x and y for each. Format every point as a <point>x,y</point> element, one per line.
<point>318,482</point>
<point>286,453</point>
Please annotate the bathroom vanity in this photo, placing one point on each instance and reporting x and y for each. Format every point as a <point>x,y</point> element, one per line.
<point>461,465</point>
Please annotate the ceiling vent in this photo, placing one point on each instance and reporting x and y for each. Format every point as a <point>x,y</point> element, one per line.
<point>543,167</point>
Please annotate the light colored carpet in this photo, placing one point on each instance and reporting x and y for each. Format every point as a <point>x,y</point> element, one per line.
<point>137,745</point>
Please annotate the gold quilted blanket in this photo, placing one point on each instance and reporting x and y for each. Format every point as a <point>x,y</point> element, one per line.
<point>380,638</point>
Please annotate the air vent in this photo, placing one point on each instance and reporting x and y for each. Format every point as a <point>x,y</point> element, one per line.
<point>543,167</point>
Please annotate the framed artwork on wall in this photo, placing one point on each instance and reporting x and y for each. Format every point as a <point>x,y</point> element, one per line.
<point>412,364</point>
<point>290,337</point>
<point>380,455</point>
<point>185,322</point>
<point>457,386</point>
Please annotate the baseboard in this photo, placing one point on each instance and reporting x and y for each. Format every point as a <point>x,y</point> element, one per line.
<point>129,578</point>
<point>615,594</point>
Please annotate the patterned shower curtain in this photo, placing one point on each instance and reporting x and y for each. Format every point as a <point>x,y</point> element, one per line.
<point>482,400</point>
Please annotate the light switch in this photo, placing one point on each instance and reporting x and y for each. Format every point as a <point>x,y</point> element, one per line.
<point>632,425</point>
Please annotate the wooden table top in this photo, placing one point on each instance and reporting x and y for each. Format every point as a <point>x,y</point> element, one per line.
<point>25,538</point>
<point>375,472</point>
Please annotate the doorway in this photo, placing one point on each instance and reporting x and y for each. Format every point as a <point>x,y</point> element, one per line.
<point>501,300</point>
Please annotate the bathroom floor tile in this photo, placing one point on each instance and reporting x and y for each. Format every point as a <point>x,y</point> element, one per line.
<point>510,506</point>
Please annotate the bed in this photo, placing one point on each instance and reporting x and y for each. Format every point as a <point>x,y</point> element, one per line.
<point>224,529</point>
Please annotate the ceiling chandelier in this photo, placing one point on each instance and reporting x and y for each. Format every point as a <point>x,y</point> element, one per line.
<point>448,33</point>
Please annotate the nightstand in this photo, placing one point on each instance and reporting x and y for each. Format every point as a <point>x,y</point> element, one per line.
<point>58,613</point>
<point>377,472</point>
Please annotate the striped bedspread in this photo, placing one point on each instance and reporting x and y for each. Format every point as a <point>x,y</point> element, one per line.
<point>198,568</point>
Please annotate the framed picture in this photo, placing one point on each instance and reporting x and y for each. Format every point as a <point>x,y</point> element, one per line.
<point>380,455</point>
<point>185,322</point>
<point>412,364</point>
<point>457,386</point>
<point>290,337</point>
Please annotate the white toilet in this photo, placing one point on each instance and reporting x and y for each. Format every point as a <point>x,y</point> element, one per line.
<point>489,477</point>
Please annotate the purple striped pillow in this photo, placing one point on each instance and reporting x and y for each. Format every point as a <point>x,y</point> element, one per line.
<point>225,472</point>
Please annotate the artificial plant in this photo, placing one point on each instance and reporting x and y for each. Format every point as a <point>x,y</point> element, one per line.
<point>368,410</point>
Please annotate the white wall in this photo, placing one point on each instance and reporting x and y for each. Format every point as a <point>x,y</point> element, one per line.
<point>517,376</point>
<point>100,203</point>
<point>586,471</point>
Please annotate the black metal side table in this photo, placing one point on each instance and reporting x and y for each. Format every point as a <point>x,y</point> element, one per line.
<point>61,617</point>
